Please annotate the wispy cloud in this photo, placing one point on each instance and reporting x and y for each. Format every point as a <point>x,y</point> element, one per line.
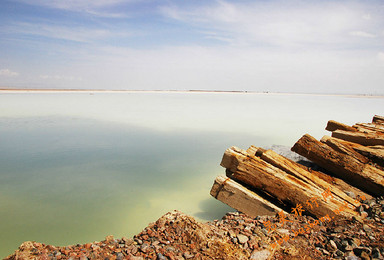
<point>217,36</point>
<point>74,4</point>
<point>367,17</point>
<point>8,73</point>
<point>363,34</point>
<point>278,23</point>
<point>60,77</point>
<point>61,32</point>
<point>105,14</point>
<point>380,56</point>
<point>92,7</point>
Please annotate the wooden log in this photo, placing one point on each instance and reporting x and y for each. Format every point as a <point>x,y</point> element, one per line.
<point>358,127</point>
<point>242,199</point>
<point>336,145</point>
<point>334,125</point>
<point>300,172</point>
<point>310,177</point>
<point>378,119</point>
<point>363,176</point>
<point>333,181</point>
<point>374,153</point>
<point>359,137</point>
<point>373,128</point>
<point>285,187</point>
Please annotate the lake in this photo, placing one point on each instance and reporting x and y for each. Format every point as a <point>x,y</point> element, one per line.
<point>78,166</point>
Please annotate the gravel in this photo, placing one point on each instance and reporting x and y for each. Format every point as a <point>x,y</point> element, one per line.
<point>236,236</point>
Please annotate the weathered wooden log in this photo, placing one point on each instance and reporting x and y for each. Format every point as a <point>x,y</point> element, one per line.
<point>359,137</point>
<point>378,119</point>
<point>312,178</point>
<point>336,145</point>
<point>363,176</point>
<point>242,199</point>
<point>285,187</point>
<point>334,125</point>
<point>374,153</point>
<point>370,127</point>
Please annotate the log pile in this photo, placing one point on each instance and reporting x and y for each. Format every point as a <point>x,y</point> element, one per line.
<point>262,182</point>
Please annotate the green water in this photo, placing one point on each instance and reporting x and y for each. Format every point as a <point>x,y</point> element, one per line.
<point>75,168</point>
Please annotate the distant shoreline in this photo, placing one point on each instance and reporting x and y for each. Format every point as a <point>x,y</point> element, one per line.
<point>21,90</point>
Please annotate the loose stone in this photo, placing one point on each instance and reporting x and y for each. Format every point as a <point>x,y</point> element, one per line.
<point>242,238</point>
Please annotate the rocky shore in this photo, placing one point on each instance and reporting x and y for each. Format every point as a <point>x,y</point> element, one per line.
<point>236,236</point>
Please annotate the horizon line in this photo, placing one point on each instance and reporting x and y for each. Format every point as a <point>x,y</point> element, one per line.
<point>182,91</point>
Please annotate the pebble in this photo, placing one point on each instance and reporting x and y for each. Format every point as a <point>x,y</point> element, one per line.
<point>338,229</point>
<point>339,252</point>
<point>232,233</point>
<point>363,214</point>
<point>332,245</point>
<point>161,257</point>
<point>325,252</point>
<point>367,228</point>
<point>187,255</point>
<point>360,250</point>
<point>365,256</point>
<point>242,238</point>
<point>353,257</point>
<point>355,242</point>
<point>136,258</point>
<point>376,253</point>
<point>260,255</point>
<point>144,248</point>
<point>109,239</point>
<point>119,256</point>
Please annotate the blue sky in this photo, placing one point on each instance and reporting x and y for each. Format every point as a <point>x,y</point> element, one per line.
<point>285,46</point>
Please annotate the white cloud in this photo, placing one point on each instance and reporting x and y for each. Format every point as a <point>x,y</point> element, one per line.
<point>380,56</point>
<point>217,36</point>
<point>76,34</point>
<point>367,17</point>
<point>74,4</point>
<point>224,68</point>
<point>362,34</point>
<point>278,23</point>
<point>92,7</point>
<point>60,77</point>
<point>106,14</point>
<point>231,68</point>
<point>8,73</point>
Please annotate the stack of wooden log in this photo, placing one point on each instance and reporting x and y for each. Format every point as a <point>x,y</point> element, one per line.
<point>262,182</point>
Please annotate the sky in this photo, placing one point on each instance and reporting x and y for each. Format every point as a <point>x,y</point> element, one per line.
<point>310,46</point>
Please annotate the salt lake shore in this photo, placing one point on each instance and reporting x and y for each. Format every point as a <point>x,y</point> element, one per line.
<point>6,90</point>
<point>236,236</point>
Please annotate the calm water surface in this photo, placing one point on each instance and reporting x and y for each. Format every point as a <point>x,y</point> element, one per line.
<point>76,167</point>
